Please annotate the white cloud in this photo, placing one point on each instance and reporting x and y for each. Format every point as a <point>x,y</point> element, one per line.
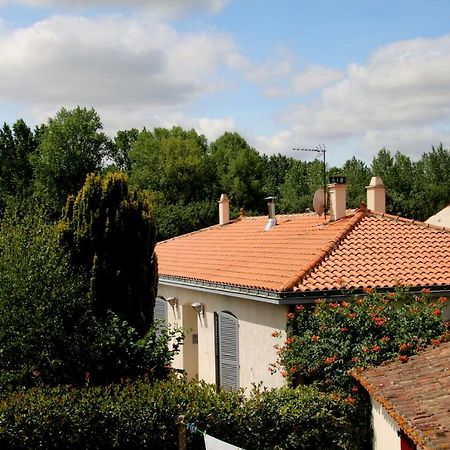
<point>313,78</point>
<point>168,8</point>
<point>128,68</point>
<point>396,100</point>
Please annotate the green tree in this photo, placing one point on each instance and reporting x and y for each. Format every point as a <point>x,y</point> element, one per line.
<point>276,168</point>
<point>123,142</point>
<point>71,145</point>
<point>239,170</point>
<point>173,163</point>
<point>110,234</point>
<point>358,177</point>
<point>17,144</point>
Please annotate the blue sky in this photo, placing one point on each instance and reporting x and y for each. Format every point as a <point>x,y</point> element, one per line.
<point>355,76</point>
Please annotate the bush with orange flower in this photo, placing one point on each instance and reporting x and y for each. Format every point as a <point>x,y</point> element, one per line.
<point>327,340</point>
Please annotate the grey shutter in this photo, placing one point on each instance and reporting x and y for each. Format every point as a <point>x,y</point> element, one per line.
<point>228,336</point>
<point>160,314</point>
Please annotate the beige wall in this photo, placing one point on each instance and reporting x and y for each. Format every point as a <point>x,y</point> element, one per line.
<point>441,219</point>
<point>385,429</point>
<point>257,321</point>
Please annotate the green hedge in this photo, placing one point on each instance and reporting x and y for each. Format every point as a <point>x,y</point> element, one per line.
<point>142,415</point>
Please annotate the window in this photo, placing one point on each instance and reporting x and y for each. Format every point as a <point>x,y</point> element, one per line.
<point>160,314</point>
<point>227,350</point>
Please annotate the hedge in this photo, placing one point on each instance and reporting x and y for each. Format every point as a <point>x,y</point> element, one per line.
<point>143,415</point>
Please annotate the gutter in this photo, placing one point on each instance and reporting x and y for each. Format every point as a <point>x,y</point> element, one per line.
<point>284,298</point>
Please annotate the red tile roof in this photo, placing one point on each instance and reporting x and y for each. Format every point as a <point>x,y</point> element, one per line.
<point>416,394</point>
<point>304,253</point>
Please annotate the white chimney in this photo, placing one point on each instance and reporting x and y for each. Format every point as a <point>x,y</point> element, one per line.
<point>376,195</point>
<point>337,190</point>
<point>271,213</point>
<point>224,210</point>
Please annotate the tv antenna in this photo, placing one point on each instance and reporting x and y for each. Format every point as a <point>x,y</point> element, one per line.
<point>320,196</point>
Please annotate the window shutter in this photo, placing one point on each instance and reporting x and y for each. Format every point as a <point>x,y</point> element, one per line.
<point>228,334</point>
<point>160,314</point>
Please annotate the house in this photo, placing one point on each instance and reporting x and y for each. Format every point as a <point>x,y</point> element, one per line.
<point>232,284</point>
<point>441,218</point>
<point>411,401</point>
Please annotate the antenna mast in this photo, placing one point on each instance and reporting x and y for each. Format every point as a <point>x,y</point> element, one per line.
<point>321,151</point>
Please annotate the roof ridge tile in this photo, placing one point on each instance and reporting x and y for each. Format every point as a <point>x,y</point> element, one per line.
<point>329,247</point>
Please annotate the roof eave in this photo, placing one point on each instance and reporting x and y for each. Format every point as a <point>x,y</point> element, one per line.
<point>280,297</point>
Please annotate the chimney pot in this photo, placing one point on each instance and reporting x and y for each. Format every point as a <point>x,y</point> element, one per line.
<point>271,212</point>
<point>224,210</point>
<point>376,195</point>
<point>338,197</point>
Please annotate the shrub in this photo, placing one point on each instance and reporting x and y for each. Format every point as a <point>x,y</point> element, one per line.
<point>143,415</point>
<point>48,330</point>
<point>329,339</point>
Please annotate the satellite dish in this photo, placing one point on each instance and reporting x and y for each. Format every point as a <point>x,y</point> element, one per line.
<point>319,201</point>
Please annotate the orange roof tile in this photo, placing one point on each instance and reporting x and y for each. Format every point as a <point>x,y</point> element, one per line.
<point>304,253</point>
<point>416,394</point>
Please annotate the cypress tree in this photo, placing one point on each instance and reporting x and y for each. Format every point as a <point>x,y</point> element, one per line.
<point>110,234</point>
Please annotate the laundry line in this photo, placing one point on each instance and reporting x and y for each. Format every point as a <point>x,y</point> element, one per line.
<point>211,443</point>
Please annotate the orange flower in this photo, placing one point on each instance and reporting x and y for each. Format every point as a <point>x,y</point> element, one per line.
<point>330,359</point>
<point>299,308</point>
<point>436,342</point>
<point>379,321</point>
<point>359,301</point>
<point>333,305</point>
<point>443,300</point>
<point>275,334</point>
<point>365,350</point>
<point>403,358</point>
<point>425,291</point>
<point>344,330</point>
<point>355,359</point>
<point>405,346</point>
<point>290,316</point>
<point>391,294</point>
<point>289,340</point>
<point>352,315</point>
<point>355,389</point>
<point>345,304</point>
<point>436,312</point>
<point>385,339</point>
<point>369,290</point>
<point>376,348</point>
<point>315,338</point>
<point>293,370</point>
<point>350,400</point>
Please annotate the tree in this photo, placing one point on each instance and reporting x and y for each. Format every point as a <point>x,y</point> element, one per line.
<point>275,169</point>
<point>17,144</point>
<point>71,145</point>
<point>110,234</point>
<point>358,177</point>
<point>239,171</point>
<point>123,143</point>
<point>173,163</point>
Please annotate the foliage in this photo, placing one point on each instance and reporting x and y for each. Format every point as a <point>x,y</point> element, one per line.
<point>17,144</point>
<point>239,171</point>
<point>71,146</point>
<point>325,342</point>
<point>174,220</point>
<point>48,331</point>
<point>110,234</point>
<point>171,162</point>
<point>142,415</point>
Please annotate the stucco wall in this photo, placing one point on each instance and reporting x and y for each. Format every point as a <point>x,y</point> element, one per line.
<point>257,321</point>
<point>385,429</point>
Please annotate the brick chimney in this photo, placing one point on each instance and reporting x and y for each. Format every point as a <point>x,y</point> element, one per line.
<point>376,195</point>
<point>224,210</point>
<point>337,190</point>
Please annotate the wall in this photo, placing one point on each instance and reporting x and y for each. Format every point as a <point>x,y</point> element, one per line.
<point>257,321</point>
<point>385,429</point>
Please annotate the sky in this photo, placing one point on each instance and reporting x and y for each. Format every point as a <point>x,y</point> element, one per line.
<point>351,75</point>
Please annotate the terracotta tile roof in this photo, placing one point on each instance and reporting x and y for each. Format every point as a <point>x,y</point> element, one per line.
<point>416,394</point>
<point>305,253</point>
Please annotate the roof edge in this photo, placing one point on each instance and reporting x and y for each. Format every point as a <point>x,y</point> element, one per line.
<point>410,430</point>
<point>359,215</point>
